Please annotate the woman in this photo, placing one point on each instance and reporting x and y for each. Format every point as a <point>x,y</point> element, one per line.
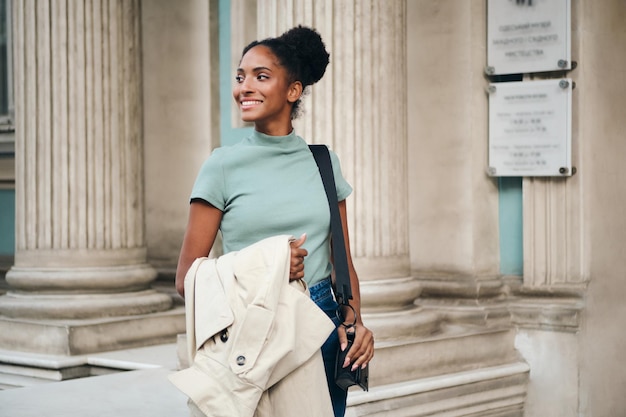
<point>269,184</point>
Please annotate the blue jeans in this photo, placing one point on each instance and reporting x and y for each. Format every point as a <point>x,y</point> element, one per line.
<point>322,295</point>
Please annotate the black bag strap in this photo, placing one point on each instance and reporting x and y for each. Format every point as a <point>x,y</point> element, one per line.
<point>343,291</point>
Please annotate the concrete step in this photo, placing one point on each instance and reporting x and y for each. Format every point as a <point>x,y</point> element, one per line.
<point>135,384</point>
<point>454,349</point>
<point>10,381</point>
<point>497,391</point>
<point>142,393</point>
<point>45,374</point>
<point>485,391</point>
<point>21,369</point>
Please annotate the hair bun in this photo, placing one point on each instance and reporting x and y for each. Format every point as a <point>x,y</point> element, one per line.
<point>310,51</point>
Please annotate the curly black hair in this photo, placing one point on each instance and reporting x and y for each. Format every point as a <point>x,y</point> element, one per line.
<point>303,54</point>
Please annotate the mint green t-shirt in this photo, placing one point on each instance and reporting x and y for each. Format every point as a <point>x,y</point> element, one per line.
<point>267,186</point>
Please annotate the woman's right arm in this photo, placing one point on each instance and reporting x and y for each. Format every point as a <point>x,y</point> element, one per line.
<point>202,226</point>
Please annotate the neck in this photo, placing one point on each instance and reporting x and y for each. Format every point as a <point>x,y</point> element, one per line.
<point>274,130</point>
<point>275,127</point>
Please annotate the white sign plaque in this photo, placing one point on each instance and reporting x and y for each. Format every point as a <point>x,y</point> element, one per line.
<point>526,36</point>
<point>530,130</point>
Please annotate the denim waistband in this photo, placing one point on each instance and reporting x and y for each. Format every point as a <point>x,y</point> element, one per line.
<point>321,290</point>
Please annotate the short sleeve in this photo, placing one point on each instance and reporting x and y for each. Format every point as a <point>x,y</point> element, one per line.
<point>344,189</point>
<point>210,184</point>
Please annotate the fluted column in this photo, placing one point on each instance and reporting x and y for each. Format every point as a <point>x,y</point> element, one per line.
<point>359,110</point>
<point>554,249</point>
<point>80,245</point>
<point>556,233</point>
<point>556,269</point>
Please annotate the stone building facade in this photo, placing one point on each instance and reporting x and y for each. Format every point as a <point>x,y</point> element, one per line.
<point>118,102</point>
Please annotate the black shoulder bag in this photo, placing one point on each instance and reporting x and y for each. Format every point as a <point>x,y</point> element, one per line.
<point>344,377</point>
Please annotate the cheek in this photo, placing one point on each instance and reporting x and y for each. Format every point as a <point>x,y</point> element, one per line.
<point>236,90</point>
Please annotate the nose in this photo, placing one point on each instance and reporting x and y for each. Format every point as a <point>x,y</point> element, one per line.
<point>242,89</point>
<point>246,86</point>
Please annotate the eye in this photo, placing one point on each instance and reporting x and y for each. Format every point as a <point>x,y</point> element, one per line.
<point>262,77</point>
<point>238,79</point>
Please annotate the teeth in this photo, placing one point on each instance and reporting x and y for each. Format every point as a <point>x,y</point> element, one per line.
<point>249,102</point>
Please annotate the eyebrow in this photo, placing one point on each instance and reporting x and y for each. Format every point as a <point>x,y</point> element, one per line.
<point>256,69</point>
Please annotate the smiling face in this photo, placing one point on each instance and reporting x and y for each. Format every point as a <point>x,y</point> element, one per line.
<point>264,92</point>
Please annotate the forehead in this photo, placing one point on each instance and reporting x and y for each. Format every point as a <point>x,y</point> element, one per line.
<point>259,56</point>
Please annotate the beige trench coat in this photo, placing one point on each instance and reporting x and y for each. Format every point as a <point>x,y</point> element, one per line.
<point>253,337</point>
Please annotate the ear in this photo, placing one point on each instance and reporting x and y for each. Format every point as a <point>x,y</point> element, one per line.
<point>294,92</point>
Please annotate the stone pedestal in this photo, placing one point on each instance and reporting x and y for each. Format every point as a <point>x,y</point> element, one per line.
<point>80,262</point>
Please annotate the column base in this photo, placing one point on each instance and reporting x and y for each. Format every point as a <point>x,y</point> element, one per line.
<point>78,337</point>
<point>82,306</point>
<point>404,324</point>
<point>559,314</point>
<point>461,286</point>
<point>389,294</point>
<point>487,313</point>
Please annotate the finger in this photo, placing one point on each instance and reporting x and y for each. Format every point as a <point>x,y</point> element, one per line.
<point>299,242</point>
<point>296,269</point>
<point>297,276</point>
<point>343,343</point>
<point>297,252</point>
<point>356,351</point>
<point>364,359</point>
<point>363,348</point>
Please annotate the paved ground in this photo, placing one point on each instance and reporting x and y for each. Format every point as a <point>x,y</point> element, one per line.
<point>141,393</point>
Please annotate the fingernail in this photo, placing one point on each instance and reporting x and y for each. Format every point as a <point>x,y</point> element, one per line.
<point>363,366</point>
<point>346,362</point>
<point>344,346</point>
<point>354,367</point>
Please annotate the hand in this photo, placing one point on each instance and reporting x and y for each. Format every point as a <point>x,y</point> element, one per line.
<point>362,350</point>
<point>296,269</point>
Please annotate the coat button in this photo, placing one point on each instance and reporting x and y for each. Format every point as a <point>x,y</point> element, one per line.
<point>224,336</point>
<point>241,360</point>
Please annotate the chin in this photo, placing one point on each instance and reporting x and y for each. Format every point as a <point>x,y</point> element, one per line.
<point>246,116</point>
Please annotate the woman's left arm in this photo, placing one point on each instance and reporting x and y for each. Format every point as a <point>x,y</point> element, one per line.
<point>362,349</point>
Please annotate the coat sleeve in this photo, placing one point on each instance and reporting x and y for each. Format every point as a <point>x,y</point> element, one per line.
<point>207,310</point>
